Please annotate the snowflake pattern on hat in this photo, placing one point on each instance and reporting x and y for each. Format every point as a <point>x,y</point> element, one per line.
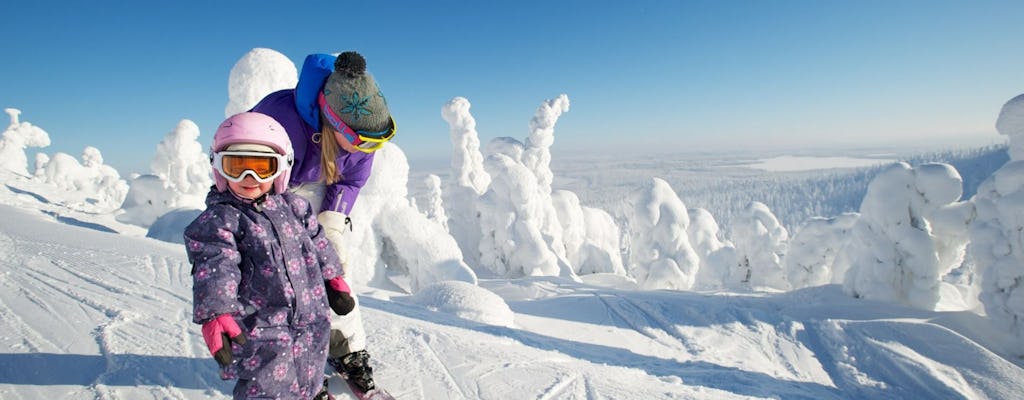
<point>356,106</point>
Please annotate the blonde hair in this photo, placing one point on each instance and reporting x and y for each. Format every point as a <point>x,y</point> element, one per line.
<point>328,153</point>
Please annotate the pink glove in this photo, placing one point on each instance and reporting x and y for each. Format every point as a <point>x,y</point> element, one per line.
<point>217,333</point>
<point>339,296</point>
<point>339,284</point>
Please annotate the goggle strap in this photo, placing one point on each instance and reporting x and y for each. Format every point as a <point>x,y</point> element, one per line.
<point>334,119</point>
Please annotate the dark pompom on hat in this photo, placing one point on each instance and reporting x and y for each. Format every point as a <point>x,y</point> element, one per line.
<point>353,95</point>
<point>350,63</point>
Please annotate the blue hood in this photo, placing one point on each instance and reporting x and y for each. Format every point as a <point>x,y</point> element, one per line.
<point>315,70</point>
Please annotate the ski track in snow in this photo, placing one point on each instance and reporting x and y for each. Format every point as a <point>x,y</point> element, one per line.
<point>576,386</point>
<point>647,321</point>
<point>92,307</point>
<point>487,362</point>
<point>437,364</point>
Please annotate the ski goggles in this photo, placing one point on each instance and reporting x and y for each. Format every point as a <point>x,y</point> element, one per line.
<point>366,142</point>
<point>264,167</point>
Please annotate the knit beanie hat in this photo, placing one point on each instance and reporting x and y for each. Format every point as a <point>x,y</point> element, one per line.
<point>353,95</point>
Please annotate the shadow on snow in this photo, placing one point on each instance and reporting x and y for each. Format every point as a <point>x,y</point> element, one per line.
<point>118,370</point>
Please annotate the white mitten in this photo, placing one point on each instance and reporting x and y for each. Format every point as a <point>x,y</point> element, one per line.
<point>335,225</point>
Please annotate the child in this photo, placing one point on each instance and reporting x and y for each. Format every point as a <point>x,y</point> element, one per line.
<point>263,272</point>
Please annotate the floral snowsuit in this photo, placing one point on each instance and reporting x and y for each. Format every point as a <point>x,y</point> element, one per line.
<point>265,263</point>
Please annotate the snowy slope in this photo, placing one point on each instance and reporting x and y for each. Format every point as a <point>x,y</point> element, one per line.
<point>90,309</point>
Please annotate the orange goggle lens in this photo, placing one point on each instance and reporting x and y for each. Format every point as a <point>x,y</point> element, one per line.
<point>234,165</point>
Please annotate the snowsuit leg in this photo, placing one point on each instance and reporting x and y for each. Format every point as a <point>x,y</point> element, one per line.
<point>281,363</point>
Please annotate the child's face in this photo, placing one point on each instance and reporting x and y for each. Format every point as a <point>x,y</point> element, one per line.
<point>249,188</point>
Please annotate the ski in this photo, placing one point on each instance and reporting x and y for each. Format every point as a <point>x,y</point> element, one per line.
<point>373,394</point>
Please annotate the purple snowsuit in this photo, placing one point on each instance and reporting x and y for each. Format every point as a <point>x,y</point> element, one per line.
<point>265,263</point>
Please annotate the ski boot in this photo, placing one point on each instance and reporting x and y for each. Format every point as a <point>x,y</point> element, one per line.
<point>356,369</point>
<point>324,394</point>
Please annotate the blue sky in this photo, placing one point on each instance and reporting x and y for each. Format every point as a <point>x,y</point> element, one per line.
<point>661,76</point>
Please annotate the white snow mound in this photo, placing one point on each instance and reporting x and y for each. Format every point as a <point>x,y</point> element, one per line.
<point>466,301</point>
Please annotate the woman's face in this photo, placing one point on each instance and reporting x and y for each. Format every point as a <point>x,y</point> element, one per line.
<point>343,142</point>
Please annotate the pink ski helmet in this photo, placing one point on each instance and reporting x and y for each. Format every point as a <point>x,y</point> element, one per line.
<point>253,128</point>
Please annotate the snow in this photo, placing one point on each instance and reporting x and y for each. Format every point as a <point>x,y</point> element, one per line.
<point>997,231</point>
<point>89,313</point>
<point>813,249</point>
<point>179,178</point>
<point>87,296</point>
<point>893,254</point>
<point>761,245</point>
<point>16,138</point>
<point>466,301</point>
<point>259,72</point>
<point>664,258</point>
<point>804,163</point>
<point>507,286</point>
<point>1011,123</point>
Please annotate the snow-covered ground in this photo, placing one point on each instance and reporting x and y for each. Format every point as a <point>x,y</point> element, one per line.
<point>90,308</point>
<point>803,163</point>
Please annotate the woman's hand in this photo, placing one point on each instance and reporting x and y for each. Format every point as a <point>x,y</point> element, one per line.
<point>339,296</point>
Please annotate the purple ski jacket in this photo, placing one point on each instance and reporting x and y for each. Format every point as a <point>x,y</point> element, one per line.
<point>265,263</point>
<point>297,110</point>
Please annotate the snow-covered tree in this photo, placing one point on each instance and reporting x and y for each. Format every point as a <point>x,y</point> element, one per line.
<point>469,179</point>
<point>893,255</point>
<point>997,233</point>
<point>15,139</point>
<point>520,230</point>
<point>516,225</point>
<point>760,242</point>
<point>102,183</point>
<point>390,235</point>
<point>40,167</point>
<point>511,215</point>
<point>435,204</point>
<point>660,255</point>
<point>183,170</point>
<point>814,248</point>
<point>258,73</point>
<point>537,153</point>
<point>951,232</point>
<point>590,235</point>
<point>107,182</point>
<point>1011,124</point>
<point>183,165</point>
<point>717,255</point>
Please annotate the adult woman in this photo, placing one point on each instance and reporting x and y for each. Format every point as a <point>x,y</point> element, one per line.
<point>336,117</point>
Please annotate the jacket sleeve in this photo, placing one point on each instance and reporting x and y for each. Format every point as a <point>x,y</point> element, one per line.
<point>212,250</point>
<point>330,264</point>
<point>341,195</point>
